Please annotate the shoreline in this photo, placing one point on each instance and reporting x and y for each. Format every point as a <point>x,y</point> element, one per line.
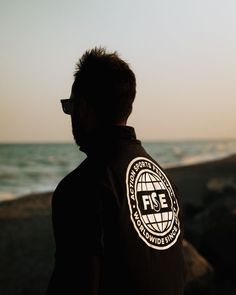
<point>171,170</point>
<point>191,180</point>
<point>194,181</point>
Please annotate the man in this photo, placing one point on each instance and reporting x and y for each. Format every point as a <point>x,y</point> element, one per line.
<point>116,217</point>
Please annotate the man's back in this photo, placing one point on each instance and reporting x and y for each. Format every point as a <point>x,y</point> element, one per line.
<point>119,206</point>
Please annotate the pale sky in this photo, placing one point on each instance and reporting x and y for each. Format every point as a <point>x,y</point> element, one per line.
<point>183,53</point>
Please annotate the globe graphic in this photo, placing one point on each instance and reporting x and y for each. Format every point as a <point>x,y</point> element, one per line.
<point>158,220</point>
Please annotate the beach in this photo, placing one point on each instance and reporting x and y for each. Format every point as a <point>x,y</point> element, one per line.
<point>208,197</point>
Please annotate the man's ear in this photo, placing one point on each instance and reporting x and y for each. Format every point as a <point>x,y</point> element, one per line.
<point>87,115</point>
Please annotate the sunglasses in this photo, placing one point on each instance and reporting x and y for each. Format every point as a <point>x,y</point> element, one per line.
<point>67,105</point>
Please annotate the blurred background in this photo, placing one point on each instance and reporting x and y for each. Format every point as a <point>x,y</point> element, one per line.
<point>183,54</point>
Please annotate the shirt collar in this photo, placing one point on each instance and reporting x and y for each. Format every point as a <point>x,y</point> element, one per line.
<point>102,139</point>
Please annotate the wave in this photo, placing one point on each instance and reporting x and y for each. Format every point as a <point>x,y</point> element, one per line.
<point>26,169</point>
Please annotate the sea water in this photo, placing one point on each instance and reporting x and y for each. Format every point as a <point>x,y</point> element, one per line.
<point>33,168</point>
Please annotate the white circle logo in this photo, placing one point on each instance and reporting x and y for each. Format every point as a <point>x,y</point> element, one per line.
<point>153,205</point>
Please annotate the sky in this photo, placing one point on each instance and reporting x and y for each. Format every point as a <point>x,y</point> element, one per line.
<point>183,53</point>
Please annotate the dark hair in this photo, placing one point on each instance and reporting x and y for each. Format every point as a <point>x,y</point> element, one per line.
<point>107,83</point>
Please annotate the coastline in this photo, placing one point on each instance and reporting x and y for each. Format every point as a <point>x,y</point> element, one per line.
<point>26,237</point>
<point>36,168</point>
<point>193,181</point>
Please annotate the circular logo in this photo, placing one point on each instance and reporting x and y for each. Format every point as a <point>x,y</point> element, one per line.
<point>152,203</point>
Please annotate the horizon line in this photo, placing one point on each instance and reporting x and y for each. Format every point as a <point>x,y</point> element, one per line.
<point>142,140</point>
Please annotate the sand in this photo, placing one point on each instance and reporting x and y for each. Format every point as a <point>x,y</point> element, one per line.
<point>26,245</point>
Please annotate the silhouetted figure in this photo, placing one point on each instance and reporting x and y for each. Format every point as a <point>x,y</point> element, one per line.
<point>116,217</point>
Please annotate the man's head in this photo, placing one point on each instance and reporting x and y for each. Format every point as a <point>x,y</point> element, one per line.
<point>103,91</point>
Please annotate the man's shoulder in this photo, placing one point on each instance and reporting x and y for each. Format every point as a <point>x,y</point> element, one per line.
<point>89,171</point>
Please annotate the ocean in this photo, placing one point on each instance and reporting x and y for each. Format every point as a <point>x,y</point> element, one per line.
<point>34,168</point>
